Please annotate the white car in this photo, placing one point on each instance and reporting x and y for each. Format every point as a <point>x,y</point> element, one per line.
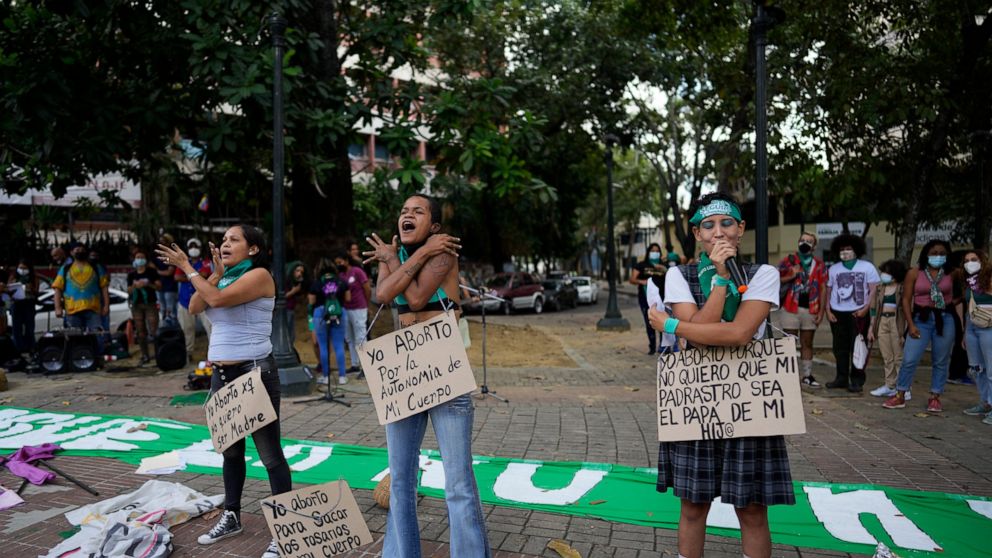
<point>588,289</point>
<point>45,320</point>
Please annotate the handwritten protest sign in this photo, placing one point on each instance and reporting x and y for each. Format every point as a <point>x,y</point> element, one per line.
<point>316,521</point>
<point>416,368</point>
<point>730,392</point>
<point>238,409</point>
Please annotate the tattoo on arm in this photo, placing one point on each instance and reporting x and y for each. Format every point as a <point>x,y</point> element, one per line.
<point>414,268</point>
<point>440,264</point>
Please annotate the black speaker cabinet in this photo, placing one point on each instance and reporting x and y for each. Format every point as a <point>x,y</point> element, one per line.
<point>68,352</point>
<point>170,348</point>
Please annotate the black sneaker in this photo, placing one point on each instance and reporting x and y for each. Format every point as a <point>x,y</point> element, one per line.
<point>836,384</point>
<point>810,382</point>
<point>272,551</point>
<point>227,526</point>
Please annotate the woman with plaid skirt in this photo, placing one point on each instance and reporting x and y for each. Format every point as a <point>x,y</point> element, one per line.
<point>748,473</point>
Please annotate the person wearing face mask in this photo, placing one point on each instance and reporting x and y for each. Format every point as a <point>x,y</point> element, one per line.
<point>296,284</point>
<point>888,325</point>
<point>850,287</point>
<point>978,331</point>
<point>142,285</point>
<point>749,473</point>
<point>650,269</point>
<point>356,308</point>
<point>804,278</point>
<point>81,293</point>
<point>23,288</point>
<point>187,321</point>
<point>927,302</point>
<point>326,300</point>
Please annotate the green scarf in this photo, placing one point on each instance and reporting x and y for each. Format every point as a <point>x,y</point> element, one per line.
<point>231,274</point>
<point>706,273</point>
<point>850,263</point>
<point>805,260</point>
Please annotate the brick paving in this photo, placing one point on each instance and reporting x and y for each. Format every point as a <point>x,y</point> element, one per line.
<point>602,409</point>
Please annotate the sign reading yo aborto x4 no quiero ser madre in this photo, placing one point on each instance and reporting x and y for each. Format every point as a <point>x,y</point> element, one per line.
<point>730,392</point>
<point>416,368</point>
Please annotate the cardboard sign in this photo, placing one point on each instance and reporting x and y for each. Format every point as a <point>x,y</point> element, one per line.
<point>316,521</point>
<point>730,392</point>
<point>238,409</point>
<point>416,368</point>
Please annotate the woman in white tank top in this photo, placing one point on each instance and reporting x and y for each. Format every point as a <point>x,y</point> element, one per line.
<point>238,298</point>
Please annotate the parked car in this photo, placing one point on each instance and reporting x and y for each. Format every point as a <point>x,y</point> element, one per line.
<point>521,291</point>
<point>587,288</point>
<point>560,294</point>
<point>45,320</point>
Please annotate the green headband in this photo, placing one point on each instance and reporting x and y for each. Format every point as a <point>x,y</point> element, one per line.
<point>716,207</point>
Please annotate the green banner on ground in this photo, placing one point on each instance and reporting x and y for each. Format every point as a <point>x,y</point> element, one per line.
<point>849,518</point>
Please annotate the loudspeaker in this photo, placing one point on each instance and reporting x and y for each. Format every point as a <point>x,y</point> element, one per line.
<point>170,348</point>
<point>68,352</point>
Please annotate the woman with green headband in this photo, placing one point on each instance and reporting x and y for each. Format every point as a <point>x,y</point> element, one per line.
<point>749,473</point>
<point>239,298</point>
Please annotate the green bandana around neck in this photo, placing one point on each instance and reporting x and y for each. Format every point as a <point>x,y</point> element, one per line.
<point>706,273</point>
<point>716,207</point>
<point>231,274</point>
<point>806,260</point>
<point>850,263</point>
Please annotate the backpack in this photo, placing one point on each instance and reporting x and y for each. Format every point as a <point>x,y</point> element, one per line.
<point>332,302</point>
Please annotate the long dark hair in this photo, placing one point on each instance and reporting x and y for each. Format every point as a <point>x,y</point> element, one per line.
<point>647,254</point>
<point>254,236</point>
<point>922,262</point>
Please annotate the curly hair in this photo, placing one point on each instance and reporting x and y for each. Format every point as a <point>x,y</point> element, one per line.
<point>851,241</point>
<point>895,268</point>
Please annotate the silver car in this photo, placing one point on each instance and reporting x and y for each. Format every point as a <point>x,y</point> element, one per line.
<point>588,289</point>
<point>45,320</point>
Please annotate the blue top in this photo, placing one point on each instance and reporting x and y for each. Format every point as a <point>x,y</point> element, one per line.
<point>242,332</point>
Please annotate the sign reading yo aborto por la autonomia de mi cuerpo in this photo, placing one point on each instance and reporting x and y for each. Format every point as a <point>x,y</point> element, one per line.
<point>730,392</point>
<point>416,368</point>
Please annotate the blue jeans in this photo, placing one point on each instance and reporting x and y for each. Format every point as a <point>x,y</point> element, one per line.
<point>940,353</point>
<point>168,301</point>
<point>87,320</point>
<point>453,428</point>
<point>979,343</point>
<point>329,334</point>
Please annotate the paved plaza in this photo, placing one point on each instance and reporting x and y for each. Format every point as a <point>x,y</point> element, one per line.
<point>599,408</point>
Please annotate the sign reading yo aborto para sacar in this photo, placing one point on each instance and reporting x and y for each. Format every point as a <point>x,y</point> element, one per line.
<point>317,521</point>
<point>416,368</point>
<point>730,392</point>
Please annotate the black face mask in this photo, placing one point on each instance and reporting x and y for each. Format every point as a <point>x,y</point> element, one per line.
<point>342,268</point>
<point>805,247</point>
<point>80,256</point>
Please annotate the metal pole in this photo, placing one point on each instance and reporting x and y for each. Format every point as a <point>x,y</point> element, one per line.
<point>293,378</point>
<point>760,25</point>
<point>613,320</point>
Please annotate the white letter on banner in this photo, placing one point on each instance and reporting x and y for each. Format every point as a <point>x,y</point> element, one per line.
<point>981,507</point>
<point>516,484</point>
<point>316,456</point>
<point>839,515</point>
<point>722,515</point>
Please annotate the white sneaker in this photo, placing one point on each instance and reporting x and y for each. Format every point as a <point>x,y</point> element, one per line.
<point>272,551</point>
<point>342,379</point>
<point>322,380</point>
<point>883,391</point>
<point>908,396</point>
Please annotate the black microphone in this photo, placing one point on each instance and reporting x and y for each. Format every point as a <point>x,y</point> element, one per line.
<point>736,274</point>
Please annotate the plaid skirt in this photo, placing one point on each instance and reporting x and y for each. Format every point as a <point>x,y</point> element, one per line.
<point>741,471</point>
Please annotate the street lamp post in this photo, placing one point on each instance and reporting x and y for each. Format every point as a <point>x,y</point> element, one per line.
<point>765,18</point>
<point>294,378</point>
<point>613,320</point>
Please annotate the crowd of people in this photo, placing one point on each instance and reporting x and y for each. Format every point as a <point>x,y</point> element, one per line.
<point>943,303</point>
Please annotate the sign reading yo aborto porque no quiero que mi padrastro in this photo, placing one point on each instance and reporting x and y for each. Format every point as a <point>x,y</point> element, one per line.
<point>730,392</point>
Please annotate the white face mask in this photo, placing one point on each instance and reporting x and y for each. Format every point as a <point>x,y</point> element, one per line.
<point>194,252</point>
<point>886,278</point>
<point>972,267</point>
<point>23,272</point>
<point>846,255</point>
